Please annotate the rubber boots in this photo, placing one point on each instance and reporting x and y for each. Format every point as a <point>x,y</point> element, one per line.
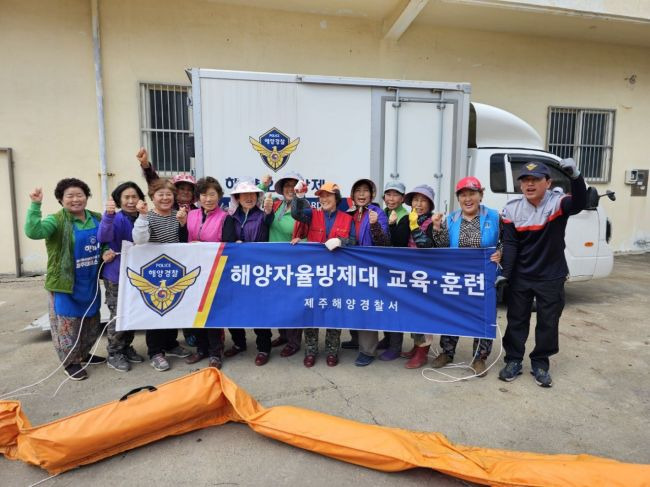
<point>419,358</point>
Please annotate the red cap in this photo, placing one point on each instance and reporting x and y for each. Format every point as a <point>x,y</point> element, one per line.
<point>470,182</point>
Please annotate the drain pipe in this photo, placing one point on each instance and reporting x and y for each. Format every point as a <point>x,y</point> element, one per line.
<point>438,175</point>
<point>99,92</point>
<point>14,216</point>
<point>396,105</point>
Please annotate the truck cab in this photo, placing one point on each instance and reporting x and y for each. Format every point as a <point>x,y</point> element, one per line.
<point>499,144</point>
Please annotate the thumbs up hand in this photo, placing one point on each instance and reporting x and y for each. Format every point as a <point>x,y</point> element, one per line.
<point>436,221</point>
<point>142,207</point>
<point>392,218</point>
<point>181,216</point>
<point>110,206</point>
<point>268,203</point>
<point>413,220</point>
<point>372,217</point>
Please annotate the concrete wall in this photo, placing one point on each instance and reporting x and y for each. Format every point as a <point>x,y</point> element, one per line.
<point>48,111</point>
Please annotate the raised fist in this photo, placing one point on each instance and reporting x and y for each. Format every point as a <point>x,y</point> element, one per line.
<point>392,219</point>
<point>300,189</point>
<point>110,206</point>
<point>142,207</point>
<point>143,158</point>
<point>181,216</point>
<point>436,221</point>
<point>569,167</point>
<point>372,217</point>
<point>36,195</point>
<point>268,204</point>
<point>266,180</point>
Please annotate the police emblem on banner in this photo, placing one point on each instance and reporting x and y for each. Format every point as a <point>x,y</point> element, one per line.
<point>162,283</point>
<point>274,147</point>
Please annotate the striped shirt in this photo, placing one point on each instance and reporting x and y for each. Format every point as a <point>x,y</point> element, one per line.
<point>163,229</point>
<point>156,228</point>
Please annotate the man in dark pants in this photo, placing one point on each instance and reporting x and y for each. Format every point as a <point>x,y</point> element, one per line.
<point>534,264</point>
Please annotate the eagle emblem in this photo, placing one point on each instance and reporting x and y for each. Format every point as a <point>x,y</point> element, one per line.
<point>530,166</point>
<point>274,147</point>
<point>162,283</point>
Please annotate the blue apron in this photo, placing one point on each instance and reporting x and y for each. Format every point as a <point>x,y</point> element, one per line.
<point>86,256</point>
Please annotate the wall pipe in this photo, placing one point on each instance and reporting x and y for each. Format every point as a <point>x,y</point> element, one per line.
<point>99,92</point>
<point>14,216</point>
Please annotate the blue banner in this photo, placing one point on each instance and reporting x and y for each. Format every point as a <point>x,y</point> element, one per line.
<point>277,285</point>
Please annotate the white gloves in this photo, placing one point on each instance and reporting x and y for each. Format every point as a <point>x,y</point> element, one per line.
<point>569,166</point>
<point>333,243</point>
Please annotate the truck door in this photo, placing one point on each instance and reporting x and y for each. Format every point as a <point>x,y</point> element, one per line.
<point>418,134</point>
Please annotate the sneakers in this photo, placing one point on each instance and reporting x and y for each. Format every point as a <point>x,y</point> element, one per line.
<point>159,362</point>
<point>441,360</point>
<point>363,360</point>
<point>479,367</point>
<point>178,351</point>
<point>510,371</point>
<point>133,356</point>
<point>75,372</point>
<point>119,362</point>
<point>93,360</point>
<point>542,377</point>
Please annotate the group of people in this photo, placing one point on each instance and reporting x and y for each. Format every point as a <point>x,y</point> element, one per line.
<point>528,236</point>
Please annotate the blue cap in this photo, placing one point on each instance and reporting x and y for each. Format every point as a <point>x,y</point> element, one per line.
<point>535,169</point>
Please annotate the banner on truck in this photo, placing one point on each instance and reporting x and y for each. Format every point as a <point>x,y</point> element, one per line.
<point>278,285</point>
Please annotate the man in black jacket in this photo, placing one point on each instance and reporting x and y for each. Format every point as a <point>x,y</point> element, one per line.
<point>535,266</point>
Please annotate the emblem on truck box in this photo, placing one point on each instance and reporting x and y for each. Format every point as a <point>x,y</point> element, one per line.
<point>274,147</point>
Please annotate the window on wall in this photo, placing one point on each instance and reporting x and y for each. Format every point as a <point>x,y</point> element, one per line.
<point>165,126</point>
<point>585,134</point>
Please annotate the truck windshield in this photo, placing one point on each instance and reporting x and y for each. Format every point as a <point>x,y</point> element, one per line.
<point>500,183</point>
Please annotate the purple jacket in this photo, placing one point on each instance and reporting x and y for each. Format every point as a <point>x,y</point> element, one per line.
<point>365,238</point>
<point>112,230</point>
<point>251,227</point>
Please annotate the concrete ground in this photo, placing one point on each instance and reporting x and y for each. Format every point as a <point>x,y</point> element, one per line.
<point>599,404</point>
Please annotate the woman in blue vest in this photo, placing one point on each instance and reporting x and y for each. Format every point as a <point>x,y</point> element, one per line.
<point>474,225</point>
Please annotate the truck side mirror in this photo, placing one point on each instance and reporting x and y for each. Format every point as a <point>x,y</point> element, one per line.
<point>592,198</point>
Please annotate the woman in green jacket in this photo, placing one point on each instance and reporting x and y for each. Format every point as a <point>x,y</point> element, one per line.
<point>73,261</point>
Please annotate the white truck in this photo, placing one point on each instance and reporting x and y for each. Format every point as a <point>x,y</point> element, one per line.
<point>247,124</point>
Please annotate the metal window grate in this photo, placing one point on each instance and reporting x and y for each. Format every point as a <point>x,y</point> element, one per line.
<point>165,123</point>
<point>586,135</point>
